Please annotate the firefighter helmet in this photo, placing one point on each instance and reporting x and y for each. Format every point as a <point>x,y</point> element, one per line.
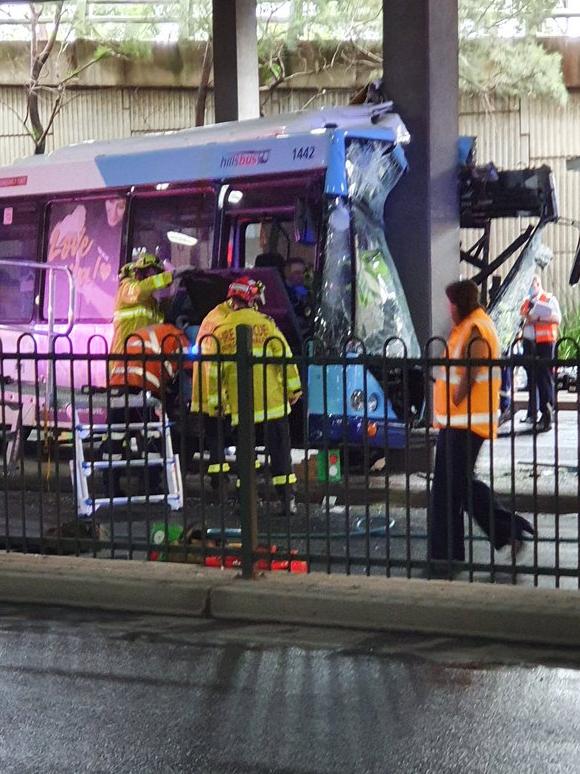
<point>148,261</point>
<point>127,271</point>
<point>249,290</point>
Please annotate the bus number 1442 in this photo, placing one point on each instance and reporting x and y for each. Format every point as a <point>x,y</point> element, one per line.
<point>303,152</point>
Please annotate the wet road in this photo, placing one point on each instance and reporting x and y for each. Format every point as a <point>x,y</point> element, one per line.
<point>101,692</point>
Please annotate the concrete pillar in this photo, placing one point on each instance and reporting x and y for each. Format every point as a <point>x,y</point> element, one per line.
<point>421,76</point>
<point>235,60</point>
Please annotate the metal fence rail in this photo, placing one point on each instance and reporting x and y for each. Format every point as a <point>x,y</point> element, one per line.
<point>110,472</point>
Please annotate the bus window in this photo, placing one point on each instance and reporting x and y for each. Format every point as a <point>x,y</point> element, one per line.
<point>177,228</point>
<point>276,216</point>
<point>19,228</point>
<point>85,236</point>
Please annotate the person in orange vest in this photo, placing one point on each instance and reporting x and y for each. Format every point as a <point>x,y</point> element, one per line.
<point>466,404</point>
<point>541,316</point>
<point>139,374</point>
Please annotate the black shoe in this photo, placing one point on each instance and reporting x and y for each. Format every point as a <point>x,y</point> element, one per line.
<point>526,526</point>
<point>545,422</point>
<point>219,481</point>
<point>439,572</point>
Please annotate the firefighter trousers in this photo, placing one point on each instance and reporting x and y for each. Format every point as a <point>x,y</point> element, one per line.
<point>216,434</point>
<point>117,445</point>
<point>276,436</point>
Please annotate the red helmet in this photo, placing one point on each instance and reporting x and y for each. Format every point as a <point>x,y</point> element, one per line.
<point>249,290</point>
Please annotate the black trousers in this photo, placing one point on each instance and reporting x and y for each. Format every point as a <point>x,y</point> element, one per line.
<point>118,443</point>
<point>540,378</point>
<point>455,490</point>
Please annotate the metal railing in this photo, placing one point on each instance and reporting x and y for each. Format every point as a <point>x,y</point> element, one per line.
<point>106,471</point>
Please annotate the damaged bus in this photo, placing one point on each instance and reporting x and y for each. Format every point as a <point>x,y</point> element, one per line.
<point>216,200</point>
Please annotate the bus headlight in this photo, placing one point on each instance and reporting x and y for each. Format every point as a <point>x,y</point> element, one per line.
<point>373,401</point>
<point>357,400</point>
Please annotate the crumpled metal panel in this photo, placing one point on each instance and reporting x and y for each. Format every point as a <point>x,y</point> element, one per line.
<point>381,310</point>
<point>333,324</point>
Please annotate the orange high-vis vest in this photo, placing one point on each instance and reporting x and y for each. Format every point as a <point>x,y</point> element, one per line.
<point>544,332</point>
<point>143,373</point>
<point>478,411</point>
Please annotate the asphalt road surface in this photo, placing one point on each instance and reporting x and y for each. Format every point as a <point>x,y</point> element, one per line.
<point>101,692</point>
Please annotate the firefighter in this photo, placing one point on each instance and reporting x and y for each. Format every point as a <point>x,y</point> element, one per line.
<point>140,374</point>
<point>276,385</point>
<point>135,304</point>
<point>215,418</point>
<point>541,316</point>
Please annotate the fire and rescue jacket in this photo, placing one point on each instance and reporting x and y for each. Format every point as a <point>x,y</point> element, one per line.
<point>478,411</point>
<point>206,345</point>
<point>136,306</point>
<point>538,330</point>
<point>143,373</point>
<point>276,385</point>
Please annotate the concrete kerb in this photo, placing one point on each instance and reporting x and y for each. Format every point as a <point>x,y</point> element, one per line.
<point>545,616</point>
<point>150,587</point>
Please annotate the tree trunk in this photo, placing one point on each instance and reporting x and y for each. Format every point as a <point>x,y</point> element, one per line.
<point>37,129</point>
<point>201,101</point>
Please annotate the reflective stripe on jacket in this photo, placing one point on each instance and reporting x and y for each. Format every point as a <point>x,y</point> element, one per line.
<point>540,331</point>
<point>136,307</point>
<point>207,345</point>
<point>274,383</point>
<point>145,374</point>
<point>478,411</point>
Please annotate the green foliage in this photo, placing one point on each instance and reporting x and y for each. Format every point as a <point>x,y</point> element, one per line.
<point>500,53</point>
<point>570,330</point>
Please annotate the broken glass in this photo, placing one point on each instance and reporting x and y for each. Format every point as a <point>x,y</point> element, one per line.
<point>381,309</point>
<point>505,309</point>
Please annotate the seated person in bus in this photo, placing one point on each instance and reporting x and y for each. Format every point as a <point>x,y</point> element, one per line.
<point>271,260</point>
<point>140,374</point>
<point>299,293</point>
<point>135,303</point>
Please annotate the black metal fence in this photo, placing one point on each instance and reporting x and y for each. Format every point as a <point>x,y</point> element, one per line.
<point>364,485</point>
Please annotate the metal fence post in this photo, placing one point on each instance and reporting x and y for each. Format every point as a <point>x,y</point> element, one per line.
<point>246,450</point>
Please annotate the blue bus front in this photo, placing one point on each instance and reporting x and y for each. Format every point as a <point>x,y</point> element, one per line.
<point>362,316</point>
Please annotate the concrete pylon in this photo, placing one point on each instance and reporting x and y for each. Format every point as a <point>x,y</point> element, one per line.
<point>235,60</point>
<point>421,76</point>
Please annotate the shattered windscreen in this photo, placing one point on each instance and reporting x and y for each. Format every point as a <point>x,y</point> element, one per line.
<point>505,309</point>
<point>380,306</point>
<point>333,324</point>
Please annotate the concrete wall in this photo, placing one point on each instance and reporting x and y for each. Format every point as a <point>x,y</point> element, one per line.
<point>510,132</point>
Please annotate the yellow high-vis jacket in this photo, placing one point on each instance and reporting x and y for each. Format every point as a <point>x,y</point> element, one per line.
<point>207,345</point>
<point>136,307</point>
<point>276,385</point>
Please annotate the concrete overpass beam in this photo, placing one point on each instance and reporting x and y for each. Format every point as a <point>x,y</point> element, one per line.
<point>421,76</point>
<point>235,60</point>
